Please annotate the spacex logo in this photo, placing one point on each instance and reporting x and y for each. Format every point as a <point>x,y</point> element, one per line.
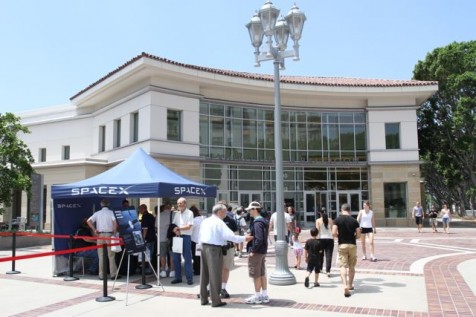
<point>100,190</point>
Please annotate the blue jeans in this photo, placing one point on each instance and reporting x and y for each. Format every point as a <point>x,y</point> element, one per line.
<point>187,256</point>
<point>92,254</point>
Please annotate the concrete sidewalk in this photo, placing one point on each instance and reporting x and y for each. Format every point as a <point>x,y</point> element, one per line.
<point>382,288</point>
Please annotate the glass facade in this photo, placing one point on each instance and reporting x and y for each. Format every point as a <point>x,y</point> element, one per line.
<point>241,133</point>
<point>324,153</point>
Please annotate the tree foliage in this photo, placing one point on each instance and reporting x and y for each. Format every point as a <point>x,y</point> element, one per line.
<point>15,159</point>
<point>447,122</point>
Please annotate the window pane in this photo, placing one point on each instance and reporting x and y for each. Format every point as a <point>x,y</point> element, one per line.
<point>204,133</point>
<point>392,135</point>
<point>102,138</point>
<point>314,137</point>
<point>395,200</point>
<point>359,117</point>
<point>174,125</point>
<point>302,136</point>
<point>134,127</point>
<point>217,110</point>
<point>204,108</point>
<point>314,117</point>
<point>66,152</point>
<point>347,137</point>
<point>236,133</point>
<point>346,117</point>
<point>249,133</point>
<point>217,131</point>
<point>360,137</point>
<point>333,137</point>
<point>249,113</point>
<point>117,133</point>
<point>269,134</point>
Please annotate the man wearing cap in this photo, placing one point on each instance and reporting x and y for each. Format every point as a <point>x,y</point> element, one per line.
<point>103,224</point>
<point>257,255</point>
<point>214,236</point>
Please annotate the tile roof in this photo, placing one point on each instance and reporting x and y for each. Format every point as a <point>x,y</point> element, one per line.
<point>299,80</point>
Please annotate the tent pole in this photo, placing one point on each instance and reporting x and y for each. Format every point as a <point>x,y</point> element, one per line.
<point>157,221</point>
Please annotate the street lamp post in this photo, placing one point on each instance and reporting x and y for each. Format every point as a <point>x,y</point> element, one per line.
<point>266,23</point>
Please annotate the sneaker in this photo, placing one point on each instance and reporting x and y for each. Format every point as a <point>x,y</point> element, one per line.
<point>172,274</point>
<point>306,282</point>
<point>224,294</point>
<point>265,299</point>
<point>253,300</point>
<point>163,274</point>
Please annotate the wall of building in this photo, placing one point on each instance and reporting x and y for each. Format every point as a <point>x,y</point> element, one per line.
<point>394,173</point>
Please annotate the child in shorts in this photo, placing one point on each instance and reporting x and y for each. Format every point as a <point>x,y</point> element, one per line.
<point>312,250</point>
<point>297,250</point>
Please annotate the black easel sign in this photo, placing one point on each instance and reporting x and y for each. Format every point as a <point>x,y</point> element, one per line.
<point>130,230</point>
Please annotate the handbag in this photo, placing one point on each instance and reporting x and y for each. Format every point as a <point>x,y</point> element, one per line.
<point>116,248</point>
<point>177,244</point>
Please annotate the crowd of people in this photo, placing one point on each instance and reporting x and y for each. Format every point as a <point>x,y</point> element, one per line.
<point>209,245</point>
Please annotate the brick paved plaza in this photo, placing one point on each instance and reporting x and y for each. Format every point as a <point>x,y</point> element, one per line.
<point>416,274</point>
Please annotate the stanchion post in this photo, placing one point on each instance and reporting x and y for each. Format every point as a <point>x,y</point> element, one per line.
<point>104,297</point>
<point>70,276</point>
<point>143,285</point>
<point>14,247</point>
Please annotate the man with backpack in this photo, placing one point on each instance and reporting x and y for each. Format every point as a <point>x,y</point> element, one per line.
<point>241,226</point>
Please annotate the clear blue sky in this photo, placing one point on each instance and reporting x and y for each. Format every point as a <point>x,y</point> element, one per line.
<point>51,49</point>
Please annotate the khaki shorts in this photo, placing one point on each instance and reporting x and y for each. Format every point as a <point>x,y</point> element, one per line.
<point>347,255</point>
<point>256,265</point>
<point>229,259</point>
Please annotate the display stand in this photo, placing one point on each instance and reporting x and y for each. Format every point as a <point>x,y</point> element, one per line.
<point>143,285</point>
<point>130,231</point>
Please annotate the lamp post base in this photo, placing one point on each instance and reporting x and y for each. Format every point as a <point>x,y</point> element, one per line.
<point>282,275</point>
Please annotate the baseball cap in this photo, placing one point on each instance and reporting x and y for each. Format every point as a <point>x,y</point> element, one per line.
<point>253,205</point>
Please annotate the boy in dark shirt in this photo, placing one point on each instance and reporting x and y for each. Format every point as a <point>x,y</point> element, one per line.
<point>312,250</point>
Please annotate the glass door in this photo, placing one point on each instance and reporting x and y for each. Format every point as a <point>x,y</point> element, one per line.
<point>310,207</point>
<point>249,196</point>
<point>353,199</point>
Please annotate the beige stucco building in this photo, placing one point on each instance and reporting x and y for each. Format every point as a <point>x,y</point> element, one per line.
<point>344,139</point>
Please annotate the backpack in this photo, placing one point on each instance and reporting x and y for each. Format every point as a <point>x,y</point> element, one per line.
<point>241,229</point>
<point>170,230</point>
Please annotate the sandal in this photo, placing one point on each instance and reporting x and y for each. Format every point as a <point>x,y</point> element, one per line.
<point>317,284</point>
<point>364,258</point>
<point>347,293</point>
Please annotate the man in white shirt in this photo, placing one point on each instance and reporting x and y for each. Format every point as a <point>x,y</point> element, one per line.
<point>214,234</point>
<point>273,222</point>
<point>103,224</point>
<point>183,219</point>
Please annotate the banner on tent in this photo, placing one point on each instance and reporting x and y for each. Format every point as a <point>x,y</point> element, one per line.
<point>130,230</point>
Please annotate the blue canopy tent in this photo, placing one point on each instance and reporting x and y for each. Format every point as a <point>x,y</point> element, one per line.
<point>140,175</point>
